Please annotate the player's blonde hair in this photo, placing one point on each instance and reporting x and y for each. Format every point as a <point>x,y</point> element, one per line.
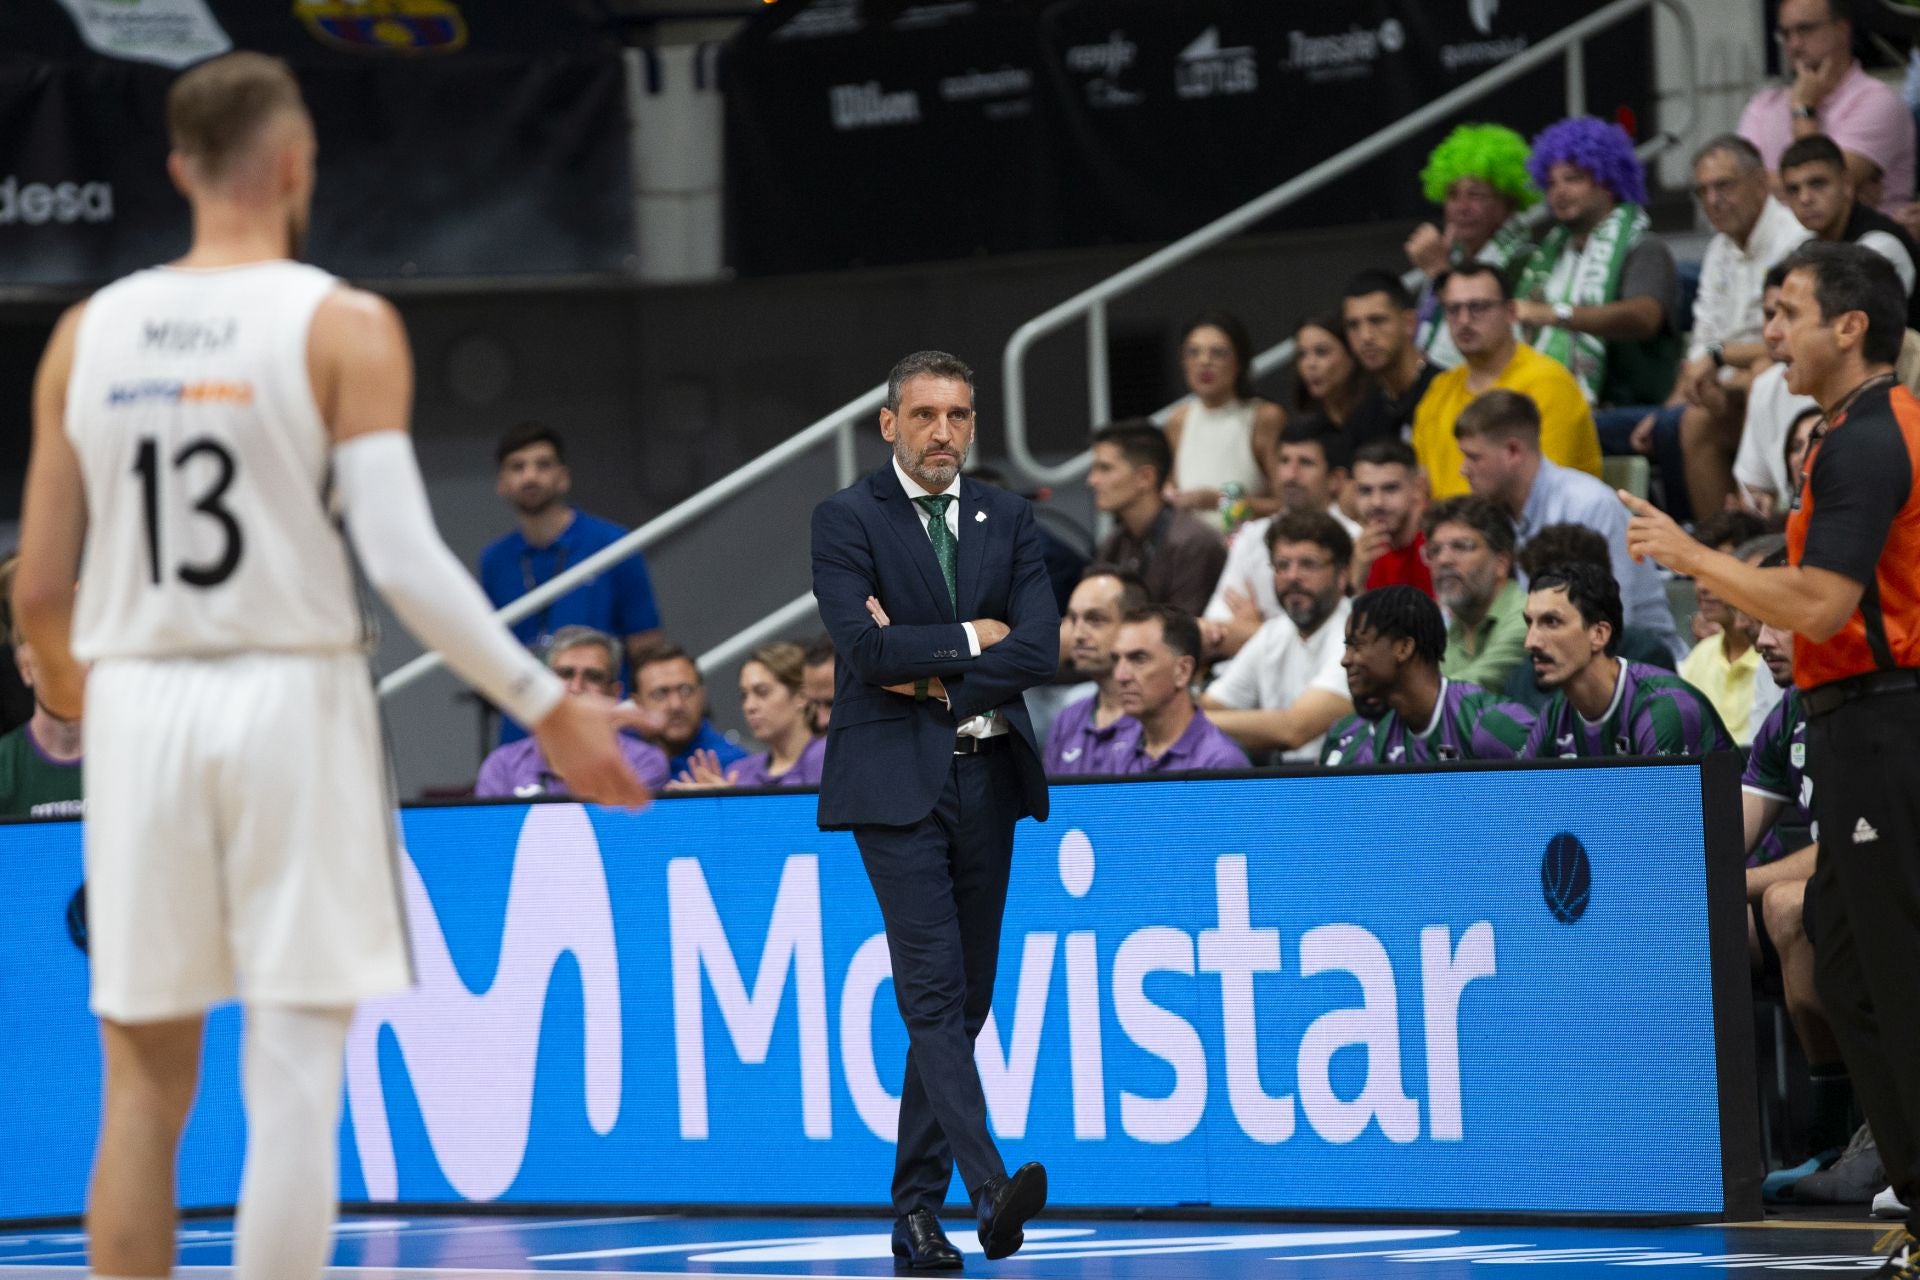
<point>216,111</point>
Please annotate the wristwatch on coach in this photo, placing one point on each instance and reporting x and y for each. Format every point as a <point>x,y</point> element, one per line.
<point>1563,313</point>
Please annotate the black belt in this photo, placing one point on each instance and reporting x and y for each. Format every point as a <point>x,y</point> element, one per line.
<point>967,745</point>
<point>1875,684</point>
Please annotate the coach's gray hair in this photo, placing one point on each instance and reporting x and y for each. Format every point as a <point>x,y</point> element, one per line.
<point>1746,157</point>
<point>938,364</point>
<point>574,637</point>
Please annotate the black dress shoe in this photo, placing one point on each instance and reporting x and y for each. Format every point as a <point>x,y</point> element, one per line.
<point>920,1244</point>
<point>1005,1204</point>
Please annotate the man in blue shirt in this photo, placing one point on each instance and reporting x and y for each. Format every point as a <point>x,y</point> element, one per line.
<point>552,537</point>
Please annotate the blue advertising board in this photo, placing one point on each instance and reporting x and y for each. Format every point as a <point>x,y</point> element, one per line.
<point>1454,992</point>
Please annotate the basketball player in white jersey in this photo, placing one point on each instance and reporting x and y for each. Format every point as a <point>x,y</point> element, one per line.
<point>193,426</point>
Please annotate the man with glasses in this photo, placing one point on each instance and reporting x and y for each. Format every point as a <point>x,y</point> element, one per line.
<point>1753,231</point>
<point>1286,687</point>
<point>1827,91</point>
<point>587,662</point>
<point>669,691</point>
<point>1470,550</point>
<point>1480,313</point>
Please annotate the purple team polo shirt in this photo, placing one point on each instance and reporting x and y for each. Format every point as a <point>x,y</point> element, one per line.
<point>1077,747</point>
<point>518,769</point>
<point>1202,746</point>
<point>752,772</point>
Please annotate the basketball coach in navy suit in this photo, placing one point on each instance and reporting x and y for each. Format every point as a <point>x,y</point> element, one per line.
<point>934,590</point>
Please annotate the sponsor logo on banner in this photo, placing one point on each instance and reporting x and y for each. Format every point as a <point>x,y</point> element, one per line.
<point>1002,94</point>
<point>1346,55</point>
<point>385,26</point>
<point>172,33</point>
<point>1104,63</point>
<point>1206,70</point>
<point>471,1055</point>
<point>1479,54</point>
<point>869,106</point>
<point>35,204</point>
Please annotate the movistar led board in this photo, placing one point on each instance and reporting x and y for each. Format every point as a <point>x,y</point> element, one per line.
<point>1464,992</point>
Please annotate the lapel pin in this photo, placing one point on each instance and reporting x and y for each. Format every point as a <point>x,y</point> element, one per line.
<point>979,517</point>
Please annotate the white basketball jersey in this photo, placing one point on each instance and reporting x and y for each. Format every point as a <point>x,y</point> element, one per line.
<point>205,460</point>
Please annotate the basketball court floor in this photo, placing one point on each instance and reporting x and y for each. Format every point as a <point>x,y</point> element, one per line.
<point>662,1246</point>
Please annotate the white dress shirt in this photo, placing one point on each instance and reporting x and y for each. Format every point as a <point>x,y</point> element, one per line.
<point>1732,278</point>
<point>981,726</point>
<point>1277,665</point>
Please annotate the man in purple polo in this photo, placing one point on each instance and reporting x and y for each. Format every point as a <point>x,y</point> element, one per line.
<point>588,661</point>
<point>1087,732</point>
<point>1406,712</point>
<point>1155,655</point>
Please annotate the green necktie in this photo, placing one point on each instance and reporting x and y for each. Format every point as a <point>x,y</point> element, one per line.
<point>945,546</point>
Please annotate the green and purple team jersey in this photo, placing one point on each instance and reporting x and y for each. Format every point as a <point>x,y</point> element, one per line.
<point>1469,723</point>
<point>1777,769</point>
<point>1654,713</point>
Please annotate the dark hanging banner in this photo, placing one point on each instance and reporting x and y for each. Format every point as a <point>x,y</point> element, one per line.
<point>457,137</point>
<point>862,133</point>
<point>1148,119</point>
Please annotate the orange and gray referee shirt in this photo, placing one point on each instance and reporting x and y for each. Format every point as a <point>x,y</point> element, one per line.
<point>1858,515</point>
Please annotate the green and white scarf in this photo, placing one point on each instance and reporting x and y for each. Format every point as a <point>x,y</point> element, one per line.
<point>1589,278</point>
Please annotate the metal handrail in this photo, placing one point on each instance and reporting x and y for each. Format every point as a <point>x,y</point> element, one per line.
<point>836,426</point>
<point>1091,302</point>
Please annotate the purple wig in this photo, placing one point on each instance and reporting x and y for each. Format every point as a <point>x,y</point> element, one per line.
<point>1602,149</point>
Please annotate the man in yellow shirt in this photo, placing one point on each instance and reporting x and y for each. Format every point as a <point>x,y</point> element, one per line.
<point>1480,317</point>
<point>1726,665</point>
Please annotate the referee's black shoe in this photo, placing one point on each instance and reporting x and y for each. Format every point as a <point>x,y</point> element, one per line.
<point>1005,1204</point>
<point>920,1245</point>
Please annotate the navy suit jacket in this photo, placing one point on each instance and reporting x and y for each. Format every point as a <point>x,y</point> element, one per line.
<point>888,756</point>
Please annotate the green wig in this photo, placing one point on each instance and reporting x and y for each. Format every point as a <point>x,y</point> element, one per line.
<point>1493,153</point>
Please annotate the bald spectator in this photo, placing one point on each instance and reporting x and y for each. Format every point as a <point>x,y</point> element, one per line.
<point>1286,686</point>
<point>1498,437</point>
<point>587,660</point>
<point>1156,654</point>
<point>1177,555</point>
<point>1470,549</point>
<point>1087,732</point>
<point>1829,92</point>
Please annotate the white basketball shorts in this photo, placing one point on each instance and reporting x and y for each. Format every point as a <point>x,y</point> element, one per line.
<point>240,840</point>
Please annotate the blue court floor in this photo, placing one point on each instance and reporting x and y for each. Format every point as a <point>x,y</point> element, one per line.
<point>472,1248</point>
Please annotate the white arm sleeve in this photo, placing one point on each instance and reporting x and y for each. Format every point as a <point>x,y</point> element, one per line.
<point>392,530</point>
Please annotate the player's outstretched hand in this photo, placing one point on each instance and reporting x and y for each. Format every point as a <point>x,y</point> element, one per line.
<point>579,741</point>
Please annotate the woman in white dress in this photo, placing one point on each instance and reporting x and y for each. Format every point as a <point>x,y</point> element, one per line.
<point>1225,439</point>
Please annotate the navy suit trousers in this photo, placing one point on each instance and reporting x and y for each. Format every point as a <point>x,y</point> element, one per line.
<point>942,887</point>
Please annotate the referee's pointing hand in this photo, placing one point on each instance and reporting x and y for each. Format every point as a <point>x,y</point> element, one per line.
<point>1653,533</point>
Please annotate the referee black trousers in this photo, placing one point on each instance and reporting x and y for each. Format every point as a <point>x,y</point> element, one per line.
<point>1864,759</point>
<point>942,887</point>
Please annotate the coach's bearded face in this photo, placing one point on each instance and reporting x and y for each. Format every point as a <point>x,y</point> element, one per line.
<point>932,430</point>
